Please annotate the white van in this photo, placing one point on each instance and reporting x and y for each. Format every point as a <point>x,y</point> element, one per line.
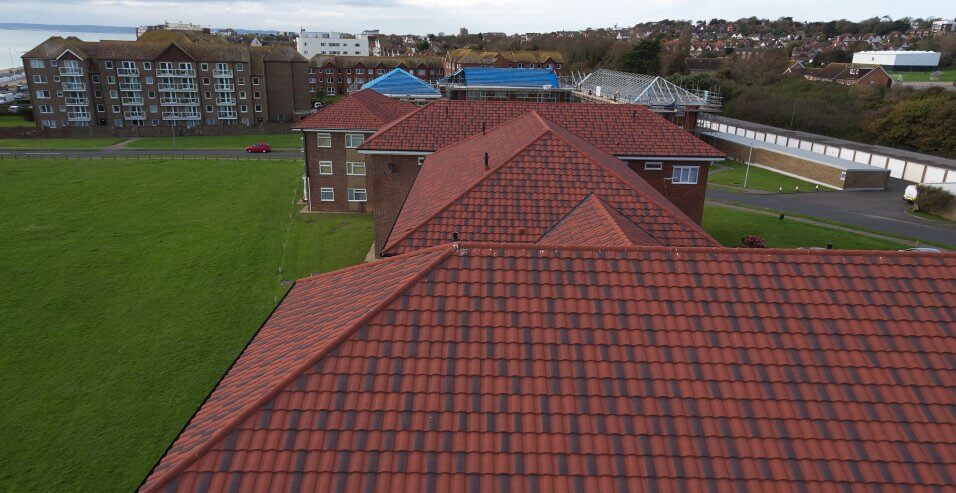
<point>909,194</point>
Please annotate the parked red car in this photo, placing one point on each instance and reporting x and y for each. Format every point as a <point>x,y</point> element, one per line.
<point>260,147</point>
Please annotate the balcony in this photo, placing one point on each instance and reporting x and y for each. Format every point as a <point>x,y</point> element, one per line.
<point>134,101</point>
<point>77,101</point>
<point>78,116</point>
<point>222,74</point>
<point>130,86</point>
<point>181,115</point>
<point>228,115</point>
<point>172,87</point>
<point>134,115</point>
<point>179,102</point>
<point>127,72</point>
<point>225,88</point>
<point>73,71</point>
<point>225,101</point>
<point>74,86</point>
<point>175,72</point>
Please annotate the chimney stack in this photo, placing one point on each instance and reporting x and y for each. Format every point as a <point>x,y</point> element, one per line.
<point>486,160</point>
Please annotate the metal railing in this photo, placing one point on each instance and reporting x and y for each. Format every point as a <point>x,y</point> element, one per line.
<point>127,72</point>
<point>179,102</point>
<point>74,86</point>
<point>175,72</point>
<point>225,88</point>
<point>178,115</point>
<point>134,115</point>
<point>77,101</point>
<point>225,101</point>
<point>130,86</point>
<point>228,115</point>
<point>71,71</point>
<point>172,87</point>
<point>220,74</point>
<point>132,101</point>
<point>75,116</point>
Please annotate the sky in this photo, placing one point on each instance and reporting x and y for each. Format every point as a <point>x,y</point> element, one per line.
<point>433,16</point>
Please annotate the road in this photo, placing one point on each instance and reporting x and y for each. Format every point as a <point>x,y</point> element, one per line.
<point>143,153</point>
<point>882,211</point>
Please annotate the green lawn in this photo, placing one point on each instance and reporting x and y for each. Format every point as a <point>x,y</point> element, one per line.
<point>14,121</point>
<point>59,144</point>
<point>949,75</point>
<point>728,225</point>
<point>731,173</point>
<point>277,141</point>
<point>128,288</point>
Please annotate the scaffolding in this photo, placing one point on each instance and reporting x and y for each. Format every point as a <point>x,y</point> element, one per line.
<point>654,92</point>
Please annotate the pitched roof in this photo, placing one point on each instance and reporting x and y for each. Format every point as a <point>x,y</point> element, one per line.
<point>400,84</point>
<point>360,110</point>
<point>537,173</point>
<point>620,129</point>
<point>467,55</point>
<point>594,222</point>
<point>513,367</point>
<point>504,77</point>
<point>376,61</point>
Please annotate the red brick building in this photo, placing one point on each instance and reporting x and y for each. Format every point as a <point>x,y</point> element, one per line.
<point>487,367</point>
<point>466,57</point>
<point>848,74</point>
<point>522,180</point>
<point>335,75</point>
<point>335,173</point>
<point>670,159</point>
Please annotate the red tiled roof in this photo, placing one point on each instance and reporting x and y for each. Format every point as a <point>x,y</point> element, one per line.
<point>362,110</point>
<point>537,173</point>
<point>594,222</point>
<point>512,367</point>
<point>619,129</point>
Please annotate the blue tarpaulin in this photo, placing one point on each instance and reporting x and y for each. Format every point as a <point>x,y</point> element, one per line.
<point>399,83</point>
<point>508,77</point>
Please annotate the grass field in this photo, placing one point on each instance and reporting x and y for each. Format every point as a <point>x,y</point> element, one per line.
<point>59,144</point>
<point>728,225</point>
<point>949,75</point>
<point>731,173</point>
<point>128,288</point>
<point>277,141</point>
<point>14,121</point>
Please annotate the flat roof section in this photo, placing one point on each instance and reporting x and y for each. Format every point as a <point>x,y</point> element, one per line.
<point>913,157</point>
<point>815,157</point>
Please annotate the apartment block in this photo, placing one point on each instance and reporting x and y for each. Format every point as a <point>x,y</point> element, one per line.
<point>310,44</point>
<point>164,79</point>
<point>340,75</point>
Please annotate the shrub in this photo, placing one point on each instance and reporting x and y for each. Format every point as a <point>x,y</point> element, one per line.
<point>932,199</point>
<point>753,241</point>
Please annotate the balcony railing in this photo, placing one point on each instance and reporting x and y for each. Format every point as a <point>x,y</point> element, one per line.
<point>225,88</point>
<point>74,86</point>
<point>179,102</point>
<point>133,101</point>
<point>71,70</point>
<point>127,72</point>
<point>225,102</point>
<point>130,86</point>
<point>134,115</point>
<point>228,115</point>
<point>77,101</point>
<point>170,87</point>
<point>175,72</point>
<point>78,116</point>
<point>222,74</point>
<point>179,115</point>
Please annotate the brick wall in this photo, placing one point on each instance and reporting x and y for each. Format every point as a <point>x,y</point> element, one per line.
<point>339,180</point>
<point>688,198</point>
<point>387,191</point>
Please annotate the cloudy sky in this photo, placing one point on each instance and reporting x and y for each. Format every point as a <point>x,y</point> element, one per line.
<point>424,16</point>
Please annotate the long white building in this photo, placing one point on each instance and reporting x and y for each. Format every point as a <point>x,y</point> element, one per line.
<point>899,60</point>
<point>311,43</point>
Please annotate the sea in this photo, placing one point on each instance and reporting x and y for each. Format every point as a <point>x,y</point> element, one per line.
<point>14,43</point>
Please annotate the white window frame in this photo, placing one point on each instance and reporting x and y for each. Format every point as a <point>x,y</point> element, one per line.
<point>37,63</point>
<point>350,168</point>
<point>323,191</point>
<point>354,191</point>
<point>39,79</point>
<point>349,140</point>
<point>653,166</point>
<point>421,160</point>
<point>325,168</point>
<point>323,137</point>
<point>678,178</point>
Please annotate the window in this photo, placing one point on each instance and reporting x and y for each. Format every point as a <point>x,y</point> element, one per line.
<point>205,81</point>
<point>685,175</point>
<point>207,95</point>
<point>147,66</point>
<point>239,67</point>
<point>421,160</point>
<point>108,64</point>
<point>39,79</point>
<point>100,108</point>
<point>149,80</point>
<point>45,108</point>
<point>330,91</point>
<point>244,109</point>
<point>115,108</point>
<point>241,81</point>
<point>360,71</point>
<point>255,81</point>
<point>353,140</point>
<point>208,109</point>
<point>357,195</point>
<point>355,169</point>
<point>255,94</point>
<point>95,78</point>
<point>653,166</point>
<point>98,94</point>
<point>34,63</point>
<point>114,94</point>
<point>324,140</point>
<point>258,109</point>
<point>329,71</point>
<point>242,95</point>
<point>110,79</point>
<point>44,94</point>
<point>325,167</point>
<point>326,194</point>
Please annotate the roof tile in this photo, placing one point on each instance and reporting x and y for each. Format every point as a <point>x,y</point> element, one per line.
<point>361,110</point>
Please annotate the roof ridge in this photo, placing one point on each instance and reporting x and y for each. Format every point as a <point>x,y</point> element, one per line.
<point>471,187</point>
<point>444,253</point>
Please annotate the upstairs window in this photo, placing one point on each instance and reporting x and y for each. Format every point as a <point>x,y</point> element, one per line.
<point>653,166</point>
<point>325,167</point>
<point>355,169</point>
<point>354,140</point>
<point>685,175</point>
<point>324,140</point>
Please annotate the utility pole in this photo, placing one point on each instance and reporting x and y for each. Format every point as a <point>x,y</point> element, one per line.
<point>172,125</point>
<point>793,115</point>
<point>749,159</point>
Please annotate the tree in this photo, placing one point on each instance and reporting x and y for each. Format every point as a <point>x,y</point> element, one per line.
<point>924,123</point>
<point>422,45</point>
<point>644,57</point>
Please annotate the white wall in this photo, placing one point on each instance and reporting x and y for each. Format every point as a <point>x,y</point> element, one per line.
<point>914,58</point>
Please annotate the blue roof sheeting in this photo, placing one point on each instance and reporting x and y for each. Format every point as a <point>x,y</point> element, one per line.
<point>509,77</point>
<point>399,83</point>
